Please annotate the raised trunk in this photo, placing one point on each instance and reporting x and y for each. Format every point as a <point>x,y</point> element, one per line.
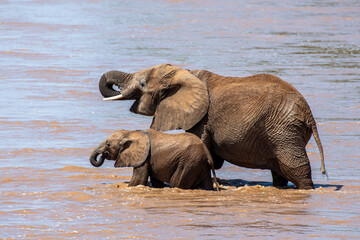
<point>111,78</point>
<point>93,158</point>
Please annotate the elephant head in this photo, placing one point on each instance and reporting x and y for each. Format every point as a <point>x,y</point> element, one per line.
<point>175,97</point>
<point>127,148</point>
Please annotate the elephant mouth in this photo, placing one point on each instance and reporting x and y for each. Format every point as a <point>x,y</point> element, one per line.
<point>118,161</point>
<point>116,97</point>
<point>104,155</point>
<point>123,93</point>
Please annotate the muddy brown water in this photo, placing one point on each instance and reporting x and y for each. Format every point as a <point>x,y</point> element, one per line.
<point>52,54</point>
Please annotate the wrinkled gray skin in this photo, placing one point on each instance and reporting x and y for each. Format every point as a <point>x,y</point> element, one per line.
<point>179,159</point>
<point>259,121</point>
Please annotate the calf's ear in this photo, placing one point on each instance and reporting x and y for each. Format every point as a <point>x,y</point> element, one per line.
<point>137,148</point>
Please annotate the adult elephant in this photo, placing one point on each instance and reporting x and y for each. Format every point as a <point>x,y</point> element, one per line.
<point>259,121</point>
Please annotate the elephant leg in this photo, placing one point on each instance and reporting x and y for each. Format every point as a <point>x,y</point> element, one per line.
<point>205,136</point>
<point>278,180</point>
<point>156,183</point>
<point>206,183</point>
<point>218,161</point>
<point>180,180</point>
<point>140,175</point>
<point>294,165</point>
<point>186,178</point>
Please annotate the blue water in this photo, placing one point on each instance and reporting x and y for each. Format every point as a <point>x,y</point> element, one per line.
<point>52,54</point>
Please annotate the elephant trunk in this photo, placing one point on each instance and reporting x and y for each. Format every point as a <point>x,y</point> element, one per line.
<point>111,78</point>
<point>94,155</point>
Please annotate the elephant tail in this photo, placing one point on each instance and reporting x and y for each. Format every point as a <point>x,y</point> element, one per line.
<point>318,142</point>
<point>211,163</point>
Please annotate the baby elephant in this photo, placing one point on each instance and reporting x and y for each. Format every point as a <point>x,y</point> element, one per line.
<point>179,159</point>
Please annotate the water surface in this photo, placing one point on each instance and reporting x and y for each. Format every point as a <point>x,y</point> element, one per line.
<point>52,54</point>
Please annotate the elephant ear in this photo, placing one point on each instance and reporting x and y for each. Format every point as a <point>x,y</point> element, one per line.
<point>184,102</point>
<point>137,148</point>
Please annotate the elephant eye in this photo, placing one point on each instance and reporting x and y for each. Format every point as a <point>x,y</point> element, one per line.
<point>142,84</point>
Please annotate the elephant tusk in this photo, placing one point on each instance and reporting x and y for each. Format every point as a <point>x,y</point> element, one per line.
<point>117,97</point>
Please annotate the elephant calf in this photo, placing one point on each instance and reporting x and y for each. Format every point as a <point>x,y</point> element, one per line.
<point>179,159</point>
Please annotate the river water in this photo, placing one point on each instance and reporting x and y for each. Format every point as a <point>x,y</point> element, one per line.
<point>52,54</point>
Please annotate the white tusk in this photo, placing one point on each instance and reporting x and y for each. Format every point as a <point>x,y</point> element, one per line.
<point>113,98</point>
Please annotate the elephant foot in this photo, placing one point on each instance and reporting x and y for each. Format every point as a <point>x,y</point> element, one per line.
<point>278,180</point>
<point>155,183</point>
<point>306,185</point>
<point>206,184</point>
<point>302,181</point>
